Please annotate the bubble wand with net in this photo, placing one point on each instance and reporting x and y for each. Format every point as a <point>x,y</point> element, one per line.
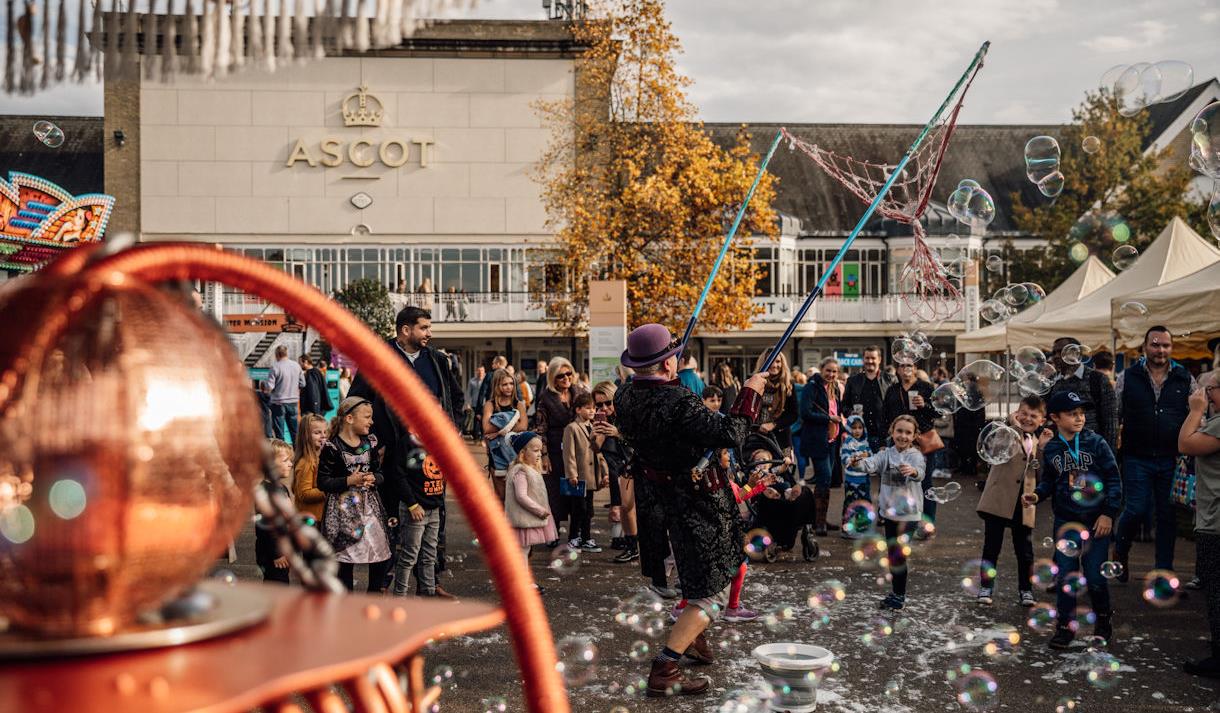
<point>831,162</point>
<point>728,240</point>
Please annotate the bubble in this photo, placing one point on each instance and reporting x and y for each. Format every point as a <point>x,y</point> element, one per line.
<point>859,518</point>
<point>905,351</point>
<point>1018,294</point>
<point>1052,185</point>
<point>577,659</point>
<point>1073,532</point>
<point>1001,643</point>
<point>640,651</point>
<point>17,524</point>
<point>757,542</point>
<point>643,612</point>
<point>1078,253</point>
<point>1102,670</point>
<point>1111,569</point>
<point>67,498</point>
<point>1138,86</point>
<point>1041,619</point>
<point>945,494</point>
<point>779,617</point>
<point>977,690</point>
<point>1073,354</point>
<point>1074,583</point>
<point>496,704</point>
<point>1066,704</point>
<point>972,573</point>
<point>1043,572</point>
<point>1205,140</point>
<point>49,134</point>
<point>565,559</point>
<point>1124,256</point>
<point>1131,315</point>
<point>1177,78</point>
<point>957,671</point>
<point>1036,292</point>
<point>1161,588</point>
<point>972,205</point>
<point>729,640</point>
<point>1091,144</point>
<point>944,399</point>
<point>878,633</point>
<point>1069,548</point>
<point>869,551</point>
<point>226,576</point>
<point>993,311</point>
<point>998,443</point>
<point>1088,490</point>
<point>442,675</point>
<point>1041,157</point>
<point>994,263</point>
<point>1034,383</point>
<point>745,701</point>
<point>827,594</point>
<point>901,506</point>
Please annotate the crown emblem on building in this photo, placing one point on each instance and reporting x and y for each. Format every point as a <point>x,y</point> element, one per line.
<point>362,108</point>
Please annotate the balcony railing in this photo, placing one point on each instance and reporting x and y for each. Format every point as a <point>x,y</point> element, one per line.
<point>524,307</point>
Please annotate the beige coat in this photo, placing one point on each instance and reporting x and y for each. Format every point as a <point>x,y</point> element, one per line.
<point>1007,482</point>
<point>579,457</point>
<point>525,503</point>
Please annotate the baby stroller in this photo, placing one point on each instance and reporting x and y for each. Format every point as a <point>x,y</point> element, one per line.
<point>787,513</point>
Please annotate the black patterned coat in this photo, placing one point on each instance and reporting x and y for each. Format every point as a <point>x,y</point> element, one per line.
<point>670,430</point>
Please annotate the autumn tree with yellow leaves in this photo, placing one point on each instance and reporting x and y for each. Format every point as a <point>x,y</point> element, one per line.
<point>636,190</point>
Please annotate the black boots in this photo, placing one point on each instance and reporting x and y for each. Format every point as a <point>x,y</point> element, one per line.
<point>821,504</point>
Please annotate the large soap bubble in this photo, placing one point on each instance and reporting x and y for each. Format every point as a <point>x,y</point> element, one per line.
<point>1143,84</point>
<point>998,443</point>
<point>1042,165</point>
<point>977,383</point>
<point>993,311</point>
<point>944,399</point>
<point>1124,256</point>
<point>971,204</point>
<point>1029,359</point>
<point>1205,140</point>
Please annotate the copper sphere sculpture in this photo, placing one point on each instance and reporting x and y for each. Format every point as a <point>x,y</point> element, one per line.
<point>129,445</point>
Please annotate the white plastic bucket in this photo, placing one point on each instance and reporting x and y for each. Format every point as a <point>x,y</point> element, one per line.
<point>793,671</point>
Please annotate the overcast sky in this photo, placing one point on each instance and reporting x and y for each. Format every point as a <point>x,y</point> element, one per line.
<point>883,61</point>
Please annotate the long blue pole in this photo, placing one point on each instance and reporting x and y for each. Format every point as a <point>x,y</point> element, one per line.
<point>800,314</point>
<point>728,240</point>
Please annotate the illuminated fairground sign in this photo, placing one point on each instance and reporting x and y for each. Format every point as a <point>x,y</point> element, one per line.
<point>38,219</point>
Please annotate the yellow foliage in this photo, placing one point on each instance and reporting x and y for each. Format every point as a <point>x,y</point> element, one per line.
<point>636,190</point>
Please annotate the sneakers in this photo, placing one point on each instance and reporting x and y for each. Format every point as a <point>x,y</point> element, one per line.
<point>676,611</point>
<point>618,543</point>
<point>590,545</point>
<point>893,602</point>
<point>984,596</point>
<point>663,592</point>
<point>1026,599</point>
<point>575,543</point>
<point>739,614</point>
<point>1062,639</point>
<point>630,554</point>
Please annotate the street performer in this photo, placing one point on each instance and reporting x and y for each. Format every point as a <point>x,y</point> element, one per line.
<point>671,430</point>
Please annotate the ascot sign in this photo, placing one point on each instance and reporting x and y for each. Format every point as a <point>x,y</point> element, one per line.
<point>361,109</point>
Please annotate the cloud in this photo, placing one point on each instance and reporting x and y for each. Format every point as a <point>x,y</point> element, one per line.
<point>1149,33</point>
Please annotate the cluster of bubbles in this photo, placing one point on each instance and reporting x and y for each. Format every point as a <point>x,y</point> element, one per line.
<point>1102,669</point>
<point>49,134</point>
<point>1094,228</point>
<point>946,493</point>
<point>1205,157</point>
<point>870,552</point>
<point>1031,371</point>
<point>1143,84</point>
<point>643,613</point>
<point>971,204</point>
<point>1008,300</point>
<point>971,388</point>
<point>1042,165</point>
<point>859,518</point>
<point>913,346</point>
<point>576,659</point>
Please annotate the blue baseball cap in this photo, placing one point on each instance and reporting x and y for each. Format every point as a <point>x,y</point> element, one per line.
<point>1066,401</point>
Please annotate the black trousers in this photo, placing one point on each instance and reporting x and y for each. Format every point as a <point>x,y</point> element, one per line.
<point>377,574</point>
<point>271,573</point>
<point>993,542</point>
<point>896,554</point>
<point>1207,564</point>
<point>581,516</point>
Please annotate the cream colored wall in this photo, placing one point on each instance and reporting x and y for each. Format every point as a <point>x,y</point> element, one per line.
<point>213,155</point>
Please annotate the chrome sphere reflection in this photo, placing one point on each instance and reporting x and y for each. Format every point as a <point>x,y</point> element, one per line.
<point>129,445</point>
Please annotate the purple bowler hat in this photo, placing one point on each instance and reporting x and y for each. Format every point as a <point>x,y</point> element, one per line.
<point>649,344</point>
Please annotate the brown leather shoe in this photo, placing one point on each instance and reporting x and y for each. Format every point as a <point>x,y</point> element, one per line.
<point>700,651</point>
<point>666,679</point>
<point>443,594</point>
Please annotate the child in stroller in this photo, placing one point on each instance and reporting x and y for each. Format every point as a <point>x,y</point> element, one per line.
<point>785,507</point>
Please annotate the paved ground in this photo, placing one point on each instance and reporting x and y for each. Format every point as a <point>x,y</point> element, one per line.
<point>906,670</point>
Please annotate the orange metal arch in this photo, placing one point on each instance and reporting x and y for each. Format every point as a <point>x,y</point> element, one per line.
<point>533,642</point>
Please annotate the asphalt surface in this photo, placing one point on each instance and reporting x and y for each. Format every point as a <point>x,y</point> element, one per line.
<point>901,662</point>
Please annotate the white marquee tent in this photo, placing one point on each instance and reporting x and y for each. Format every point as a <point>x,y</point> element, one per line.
<point>1087,278</point>
<point>1177,252</point>
<point>1189,308</point>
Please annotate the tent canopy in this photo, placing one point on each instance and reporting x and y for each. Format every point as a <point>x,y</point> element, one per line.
<point>1189,308</point>
<point>1087,278</point>
<point>1177,252</point>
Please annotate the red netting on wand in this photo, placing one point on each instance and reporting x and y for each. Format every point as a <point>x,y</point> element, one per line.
<point>927,290</point>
